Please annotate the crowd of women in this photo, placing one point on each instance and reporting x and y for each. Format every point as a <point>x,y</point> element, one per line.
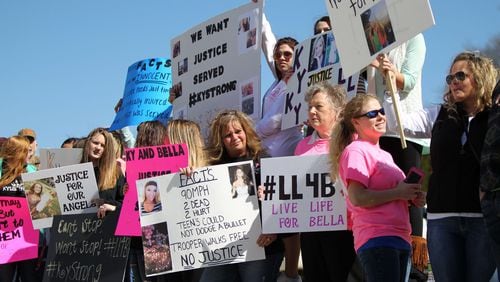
<point>359,136</point>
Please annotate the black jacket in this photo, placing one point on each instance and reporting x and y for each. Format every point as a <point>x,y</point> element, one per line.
<point>454,182</point>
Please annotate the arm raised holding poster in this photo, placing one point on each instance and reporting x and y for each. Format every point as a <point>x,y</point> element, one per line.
<point>279,142</point>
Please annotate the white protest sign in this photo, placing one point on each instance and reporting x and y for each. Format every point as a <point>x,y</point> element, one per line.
<point>52,158</point>
<point>216,65</point>
<point>365,28</point>
<point>315,59</point>
<point>209,222</point>
<point>301,197</point>
<point>63,190</point>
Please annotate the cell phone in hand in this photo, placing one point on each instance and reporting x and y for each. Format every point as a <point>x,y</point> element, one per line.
<point>415,176</point>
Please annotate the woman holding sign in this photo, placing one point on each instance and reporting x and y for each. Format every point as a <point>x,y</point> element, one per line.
<point>13,160</point>
<point>377,195</point>
<point>242,185</point>
<point>233,139</point>
<point>326,256</point>
<point>102,150</point>
<point>277,142</point>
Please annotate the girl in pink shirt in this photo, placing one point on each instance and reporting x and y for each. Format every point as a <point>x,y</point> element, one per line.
<point>377,196</point>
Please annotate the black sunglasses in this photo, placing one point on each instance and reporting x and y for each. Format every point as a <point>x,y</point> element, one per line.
<point>460,75</point>
<point>286,54</point>
<point>372,114</point>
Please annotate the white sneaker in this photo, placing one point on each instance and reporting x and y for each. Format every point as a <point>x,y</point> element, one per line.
<point>284,278</point>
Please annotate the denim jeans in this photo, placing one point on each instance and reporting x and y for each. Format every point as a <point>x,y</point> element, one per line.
<point>383,264</point>
<point>459,249</point>
<point>490,205</point>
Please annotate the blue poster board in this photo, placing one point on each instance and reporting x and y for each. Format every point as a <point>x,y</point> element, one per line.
<point>146,93</point>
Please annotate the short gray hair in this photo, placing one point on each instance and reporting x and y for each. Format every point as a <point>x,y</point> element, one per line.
<point>336,95</point>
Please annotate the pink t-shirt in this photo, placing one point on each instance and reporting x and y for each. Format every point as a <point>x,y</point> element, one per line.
<point>373,167</point>
<point>312,145</point>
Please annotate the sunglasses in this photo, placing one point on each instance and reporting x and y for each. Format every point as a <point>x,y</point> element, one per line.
<point>460,75</point>
<point>286,54</point>
<point>372,114</point>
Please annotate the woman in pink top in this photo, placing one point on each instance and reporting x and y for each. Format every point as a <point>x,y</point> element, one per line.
<point>328,255</point>
<point>377,195</point>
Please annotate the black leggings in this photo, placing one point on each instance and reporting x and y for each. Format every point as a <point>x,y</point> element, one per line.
<point>406,159</point>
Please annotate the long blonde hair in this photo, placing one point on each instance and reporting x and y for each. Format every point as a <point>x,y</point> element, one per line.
<point>484,74</point>
<point>14,152</point>
<point>344,131</point>
<point>188,132</point>
<point>107,166</point>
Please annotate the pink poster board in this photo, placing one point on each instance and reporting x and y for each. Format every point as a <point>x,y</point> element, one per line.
<point>143,163</point>
<point>18,238</point>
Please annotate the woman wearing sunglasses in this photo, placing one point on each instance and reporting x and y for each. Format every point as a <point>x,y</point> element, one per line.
<point>406,61</point>
<point>457,239</point>
<point>277,142</point>
<point>377,194</point>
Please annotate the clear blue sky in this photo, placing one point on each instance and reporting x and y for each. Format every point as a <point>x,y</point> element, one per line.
<point>64,62</point>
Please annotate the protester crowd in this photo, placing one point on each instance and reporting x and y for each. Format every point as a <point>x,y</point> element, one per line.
<point>361,138</point>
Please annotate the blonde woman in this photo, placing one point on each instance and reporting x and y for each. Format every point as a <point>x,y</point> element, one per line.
<point>101,149</point>
<point>188,132</point>
<point>377,195</point>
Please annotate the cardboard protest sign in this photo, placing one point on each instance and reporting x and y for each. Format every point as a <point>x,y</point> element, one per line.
<point>365,28</point>
<point>315,59</point>
<point>84,248</point>
<point>145,98</point>
<point>209,219</point>
<point>216,65</point>
<point>64,190</point>
<point>301,198</point>
<point>18,239</point>
<point>52,158</point>
<point>144,163</point>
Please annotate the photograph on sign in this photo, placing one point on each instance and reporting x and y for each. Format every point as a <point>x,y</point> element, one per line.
<point>42,198</point>
<point>378,27</point>
<point>156,249</point>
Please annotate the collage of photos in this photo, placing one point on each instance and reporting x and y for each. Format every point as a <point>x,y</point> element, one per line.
<point>42,198</point>
<point>378,27</point>
<point>247,33</point>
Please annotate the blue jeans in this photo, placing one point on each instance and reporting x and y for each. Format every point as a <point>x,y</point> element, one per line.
<point>383,264</point>
<point>459,249</point>
<point>490,205</point>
